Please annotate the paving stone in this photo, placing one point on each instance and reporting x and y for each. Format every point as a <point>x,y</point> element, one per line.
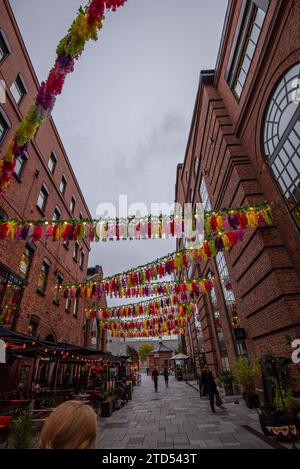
<point>176,417</point>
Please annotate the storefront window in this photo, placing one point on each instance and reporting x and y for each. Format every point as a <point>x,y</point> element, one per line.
<point>11,289</point>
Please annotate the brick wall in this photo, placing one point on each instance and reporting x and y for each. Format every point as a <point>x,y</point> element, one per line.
<point>20,201</point>
<point>227,136</point>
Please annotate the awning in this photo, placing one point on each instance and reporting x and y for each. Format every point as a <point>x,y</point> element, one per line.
<point>180,356</point>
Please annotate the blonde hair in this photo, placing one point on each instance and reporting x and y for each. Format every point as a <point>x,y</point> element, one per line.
<point>72,425</point>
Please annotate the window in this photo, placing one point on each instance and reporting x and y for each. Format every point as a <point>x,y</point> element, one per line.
<point>204,196</point>
<point>68,305</point>
<point>282,139</point>
<point>217,323</point>
<point>66,244</point>
<point>43,277</point>
<point>81,216</point>
<point>42,198</point>
<point>4,48</point>
<point>75,307</point>
<point>52,163</point>
<point>18,89</point>
<point>4,124</point>
<point>227,290</point>
<point>25,262</point>
<point>56,214</point>
<point>63,185</point>
<point>81,261</point>
<point>72,204</point>
<point>76,251</point>
<point>33,326</point>
<point>3,214</point>
<point>196,165</point>
<point>187,175</point>
<point>245,42</point>
<point>20,164</point>
<point>59,281</point>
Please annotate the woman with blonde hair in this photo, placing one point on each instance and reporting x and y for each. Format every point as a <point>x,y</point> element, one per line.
<point>72,425</point>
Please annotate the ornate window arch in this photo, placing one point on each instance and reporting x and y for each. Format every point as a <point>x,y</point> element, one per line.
<point>282,138</point>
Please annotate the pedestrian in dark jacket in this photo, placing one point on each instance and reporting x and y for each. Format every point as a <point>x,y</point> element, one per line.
<point>208,383</point>
<point>166,376</point>
<point>155,378</point>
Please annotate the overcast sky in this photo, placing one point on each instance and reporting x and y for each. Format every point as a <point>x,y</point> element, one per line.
<point>125,112</point>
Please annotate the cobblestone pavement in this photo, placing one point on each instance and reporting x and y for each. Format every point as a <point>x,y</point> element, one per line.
<point>176,417</point>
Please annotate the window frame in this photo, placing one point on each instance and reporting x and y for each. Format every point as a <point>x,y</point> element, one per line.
<point>281,161</point>
<point>46,190</point>
<point>31,250</point>
<point>63,179</point>
<point>76,251</point>
<point>47,265</point>
<point>75,307</point>
<point>6,45</point>
<point>81,259</point>
<point>51,158</point>
<point>72,204</point>
<point>59,279</point>
<point>5,122</point>
<point>58,211</point>
<point>34,322</point>
<point>21,89</point>
<point>242,36</point>
<point>68,305</point>
<point>24,157</point>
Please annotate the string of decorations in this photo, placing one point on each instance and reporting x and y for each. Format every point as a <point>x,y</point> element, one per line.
<point>97,290</point>
<point>163,332</point>
<point>137,228</point>
<point>160,306</point>
<point>85,27</point>
<point>158,323</point>
<point>170,264</point>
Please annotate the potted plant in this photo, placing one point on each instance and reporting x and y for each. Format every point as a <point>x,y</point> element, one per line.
<point>227,379</point>
<point>21,434</point>
<point>280,418</point>
<point>245,373</point>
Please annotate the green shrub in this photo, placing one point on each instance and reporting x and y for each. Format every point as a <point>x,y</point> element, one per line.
<point>21,435</point>
<point>245,373</point>
<point>226,377</point>
<point>283,401</point>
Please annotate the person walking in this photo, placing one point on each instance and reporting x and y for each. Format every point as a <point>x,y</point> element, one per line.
<point>166,376</point>
<point>209,385</point>
<point>155,378</point>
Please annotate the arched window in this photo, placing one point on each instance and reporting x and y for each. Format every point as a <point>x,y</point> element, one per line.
<point>282,138</point>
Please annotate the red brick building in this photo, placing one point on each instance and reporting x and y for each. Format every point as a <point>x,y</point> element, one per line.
<point>44,187</point>
<point>244,148</point>
<point>159,357</point>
